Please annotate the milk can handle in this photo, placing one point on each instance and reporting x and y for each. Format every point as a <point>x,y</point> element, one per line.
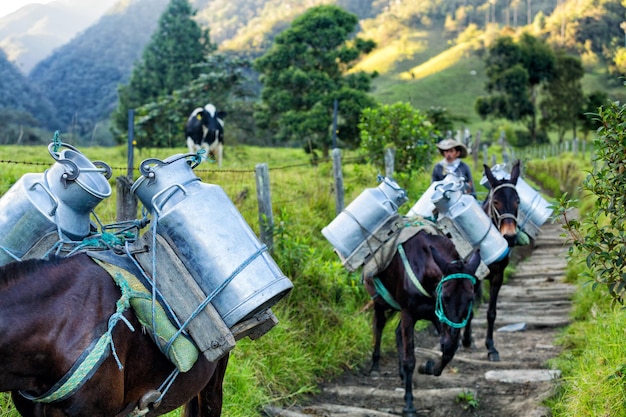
<point>55,202</point>
<point>75,171</point>
<point>55,154</point>
<point>157,195</point>
<point>146,170</point>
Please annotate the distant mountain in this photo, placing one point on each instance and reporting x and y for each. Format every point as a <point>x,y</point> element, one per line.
<point>81,77</point>
<point>31,33</point>
<point>16,93</point>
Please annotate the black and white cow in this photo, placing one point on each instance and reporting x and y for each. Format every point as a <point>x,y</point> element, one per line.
<point>205,130</point>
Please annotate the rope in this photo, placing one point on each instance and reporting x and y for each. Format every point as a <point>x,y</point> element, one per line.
<point>56,142</point>
<point>382,291</point>
<point>441,315</point>
<point>409,271</point>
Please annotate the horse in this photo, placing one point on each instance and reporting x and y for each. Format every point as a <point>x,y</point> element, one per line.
<point>501,205</point>
<point>425,280</point>
<point>51,313</point>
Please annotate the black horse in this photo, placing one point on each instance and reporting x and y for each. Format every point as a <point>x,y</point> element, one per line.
<point>501,205</point>
<point>52,312</point>
<point>425,280</point>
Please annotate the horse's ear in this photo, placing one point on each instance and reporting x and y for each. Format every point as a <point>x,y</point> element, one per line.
<point>474,261</point>
<point>515,171</point>
<point>489,174</point>
<point>439,260</point>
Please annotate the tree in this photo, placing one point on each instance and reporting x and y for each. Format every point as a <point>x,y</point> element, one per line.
<point>565,97</point>
<point>169,61</point>
<point>160,122</point>
<point>588,116</point>
<point>304,71</point>
<point>408,130</point>
<point>514,73</point>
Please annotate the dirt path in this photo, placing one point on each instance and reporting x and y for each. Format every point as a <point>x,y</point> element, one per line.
<point>535,298</point>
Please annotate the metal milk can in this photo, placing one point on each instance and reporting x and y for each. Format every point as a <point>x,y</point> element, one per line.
<point>79,185</point>
<point>61,199</point>
<point>363,216</point>
<point>469,217</point>
<point>533,207</point>
<point>211,238</point>
<point>424,207</point>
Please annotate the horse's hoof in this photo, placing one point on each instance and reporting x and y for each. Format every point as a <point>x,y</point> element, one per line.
<point>149,400</point>
<point>426,368</point>
<point>374,373</point>
<point>409,412</point>
<point>493,356</point>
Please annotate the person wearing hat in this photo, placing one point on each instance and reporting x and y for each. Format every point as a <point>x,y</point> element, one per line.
<point>452,152</point>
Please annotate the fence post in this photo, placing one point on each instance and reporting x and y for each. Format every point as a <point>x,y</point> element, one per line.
<point>266,218</point>
<point>126,202</point>
<point>390,155</point>
<point>337,173</point>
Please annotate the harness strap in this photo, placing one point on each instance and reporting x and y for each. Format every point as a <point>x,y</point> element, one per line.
<point>382,291</point>
<point>441,315</point>
<point>493,213</point>
<point>409,271</point>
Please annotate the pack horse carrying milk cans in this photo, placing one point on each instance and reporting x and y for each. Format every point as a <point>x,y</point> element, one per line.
<point>77,294</point>
<point>429,263</point>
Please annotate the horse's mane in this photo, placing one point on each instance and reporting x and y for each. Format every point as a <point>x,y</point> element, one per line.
<point>15,270</point>
<point>444,245</point>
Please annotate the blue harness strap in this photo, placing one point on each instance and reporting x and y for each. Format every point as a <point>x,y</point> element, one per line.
<point>441,315</point>
<point>382,291</point>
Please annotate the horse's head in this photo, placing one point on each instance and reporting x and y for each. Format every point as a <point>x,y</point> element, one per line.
<point>455,292</point>
<point>502,204</point>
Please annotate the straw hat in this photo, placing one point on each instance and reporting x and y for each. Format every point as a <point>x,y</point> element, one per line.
<point>446,144</point>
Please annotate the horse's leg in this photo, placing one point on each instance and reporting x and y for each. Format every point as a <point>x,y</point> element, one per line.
<point>208,403</point>
<point>467,339</point>
<point>494,289</point>
<point>378,324</point>
<point>406,351</point>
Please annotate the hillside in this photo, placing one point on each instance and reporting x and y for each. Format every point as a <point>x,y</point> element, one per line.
<point>31,33</point>
<point>428,54</point>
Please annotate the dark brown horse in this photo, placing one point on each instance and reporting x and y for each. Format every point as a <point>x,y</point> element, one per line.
<point>440,290</point>
<point>501,205</point>
<point>51,311</point>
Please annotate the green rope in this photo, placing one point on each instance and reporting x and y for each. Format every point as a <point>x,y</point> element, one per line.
<point>409,271</point>
<point>441,315</point>
<point>382,291</point>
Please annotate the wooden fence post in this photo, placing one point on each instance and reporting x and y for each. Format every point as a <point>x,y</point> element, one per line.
<point>338,175</point>
<point>390,155</point>
<point>266,218</point>
<point>126,203</point>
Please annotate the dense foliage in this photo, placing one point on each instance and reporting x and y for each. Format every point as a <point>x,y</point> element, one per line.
<point>402,128</point>
<point>600,236</point>
<point>305,71</point>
